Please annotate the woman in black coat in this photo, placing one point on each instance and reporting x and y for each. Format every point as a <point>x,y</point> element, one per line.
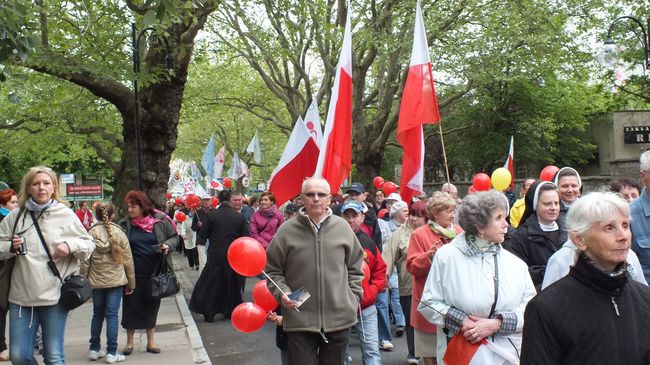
<point>539,235</point>
<point>219,288</point>
<point>595,314</point>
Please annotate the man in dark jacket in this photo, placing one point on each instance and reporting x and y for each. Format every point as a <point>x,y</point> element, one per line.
<point>197,222</point>
<point>219,287</point>
<point>319,252</point>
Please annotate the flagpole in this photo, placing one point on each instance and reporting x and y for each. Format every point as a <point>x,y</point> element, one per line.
<point>264,157</point>
<point>444,154</point>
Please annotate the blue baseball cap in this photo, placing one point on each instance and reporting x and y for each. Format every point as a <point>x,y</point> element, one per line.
<point>352,204</point>
<point>357,187</point>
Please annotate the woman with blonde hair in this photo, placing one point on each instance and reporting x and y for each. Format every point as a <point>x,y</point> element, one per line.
<point>424,243</point>
<point>109,268</point>
<point>34,289</point>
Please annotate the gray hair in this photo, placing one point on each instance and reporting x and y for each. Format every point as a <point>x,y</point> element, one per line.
<point>449,188</point>
<point>315,180</point>
<point>593,208</point>
<point>477,210</point>
<point>645,161</point>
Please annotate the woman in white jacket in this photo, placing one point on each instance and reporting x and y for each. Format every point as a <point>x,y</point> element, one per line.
<point>476,290</point>
<point>34,290</point>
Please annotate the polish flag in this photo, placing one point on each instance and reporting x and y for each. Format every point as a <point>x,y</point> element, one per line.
<point>335,159</point>
<point>419,106</point>
<point>510,162</point>
<point>462,352</point>
<point>297,163</point>
<point>312,121</point>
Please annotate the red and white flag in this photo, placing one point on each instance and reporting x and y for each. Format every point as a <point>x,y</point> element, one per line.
<point>335,159</point>
<point>312,121</point>
<point>462,352</point>
<point>510,162</point>
<point>297,163</point>
<point>419,106</point>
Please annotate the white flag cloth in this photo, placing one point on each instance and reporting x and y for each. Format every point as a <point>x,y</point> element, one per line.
<point>312,122</point>
<point>219,160</point>
<point>208,158</point>
<point>254,148</point>
<point>234,166</point>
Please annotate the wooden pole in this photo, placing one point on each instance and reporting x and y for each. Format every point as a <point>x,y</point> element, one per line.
<point>444,154</point>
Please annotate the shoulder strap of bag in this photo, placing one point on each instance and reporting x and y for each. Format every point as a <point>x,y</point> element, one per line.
<point>13,231</point>
<point>51,263</point>
<point>496,286</point>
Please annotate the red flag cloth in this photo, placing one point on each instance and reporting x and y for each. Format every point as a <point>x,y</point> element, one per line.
<point>460,351</point>
<point>335,159</point>
<point>510,162</point>
<point>297,163</point>
<point>419,106</point>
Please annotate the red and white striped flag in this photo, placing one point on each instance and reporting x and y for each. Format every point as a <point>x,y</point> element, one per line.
<point>510,162</point>
<point>335,159</point>
<point>419,106</point>
<point>462,352</point>
<point>297,163</point>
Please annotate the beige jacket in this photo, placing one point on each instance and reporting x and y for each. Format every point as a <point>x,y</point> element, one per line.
<point>32,282</point>
<point>104,271</point>
<point>394,255</point>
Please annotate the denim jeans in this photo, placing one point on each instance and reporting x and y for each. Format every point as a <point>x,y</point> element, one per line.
<point>368,337</point>
<point>106,304</point>
<point>382,308</point>
<point>23,324</point>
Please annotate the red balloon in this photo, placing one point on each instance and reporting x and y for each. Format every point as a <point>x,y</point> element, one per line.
<point>471,190</point>
<point>378,182</point>
<point>178,201</point>
<point>227,182</point>
<point>247,256</point>
<point>389,188</point>
<point>548,173</point>
<point>382,213</point>
<point>193,201</point>
<point>366,273</point>
<point>248,317</point>
<point>481,182</point>
<point>262,296</point>
<point>169,196</point>
<point>215,202</point>
<point>180,216</point>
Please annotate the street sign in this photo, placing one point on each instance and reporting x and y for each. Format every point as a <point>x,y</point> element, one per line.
<point>67,178</point>
<point>85,191</point>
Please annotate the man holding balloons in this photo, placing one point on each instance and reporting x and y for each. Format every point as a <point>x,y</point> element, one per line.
<point>318,253</point>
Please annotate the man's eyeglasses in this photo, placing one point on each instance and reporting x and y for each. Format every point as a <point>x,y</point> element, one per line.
<point>320,195</point>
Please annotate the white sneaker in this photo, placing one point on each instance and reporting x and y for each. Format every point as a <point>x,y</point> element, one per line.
<point>94,355</point>
<point>112,359</point>
<point>386,345</point>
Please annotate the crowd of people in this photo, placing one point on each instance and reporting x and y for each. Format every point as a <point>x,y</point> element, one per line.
<point>558,276</point>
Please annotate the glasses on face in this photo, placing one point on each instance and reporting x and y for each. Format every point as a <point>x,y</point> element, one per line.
<point>320,195</point>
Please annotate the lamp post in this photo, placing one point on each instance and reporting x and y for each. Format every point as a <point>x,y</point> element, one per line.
<point>609,54</point>
<point>169,62</point>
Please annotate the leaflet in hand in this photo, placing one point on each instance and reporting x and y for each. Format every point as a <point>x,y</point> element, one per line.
<point>299,296</point>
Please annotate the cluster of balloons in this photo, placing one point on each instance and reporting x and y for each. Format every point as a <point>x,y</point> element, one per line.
<point>500,180</point>
<point>388,187</point>
<point>248,258</point>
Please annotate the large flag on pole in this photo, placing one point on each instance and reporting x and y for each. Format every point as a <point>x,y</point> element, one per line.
<point>335,158</point>
<point>208,158</point>
<point>312,121</point>
<point>219,160</point>
<point>254,148</point>
<point>297,163</point>
<point>510,162</point>
<point>419,106</point>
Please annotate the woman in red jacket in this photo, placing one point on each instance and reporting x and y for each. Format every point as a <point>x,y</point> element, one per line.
<point>424,243</point>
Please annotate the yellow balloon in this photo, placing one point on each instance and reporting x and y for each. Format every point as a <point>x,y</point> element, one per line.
<point>501,179</point>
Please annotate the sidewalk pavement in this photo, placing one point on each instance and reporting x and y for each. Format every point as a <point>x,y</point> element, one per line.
<point>176,334</point>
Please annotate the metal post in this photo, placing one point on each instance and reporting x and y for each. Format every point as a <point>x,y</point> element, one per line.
<point>136,102</point>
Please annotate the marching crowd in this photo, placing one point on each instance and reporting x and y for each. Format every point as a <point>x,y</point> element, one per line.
<point>558,276</point>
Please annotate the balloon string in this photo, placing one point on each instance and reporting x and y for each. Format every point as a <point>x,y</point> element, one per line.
<point>277,286</point>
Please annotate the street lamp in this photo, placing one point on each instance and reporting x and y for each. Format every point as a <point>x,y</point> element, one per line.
<point>169,62</point>
<point>609,54</point>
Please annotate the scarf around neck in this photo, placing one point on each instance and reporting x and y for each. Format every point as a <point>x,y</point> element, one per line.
<point>145,223</point>
<point>480,244</point>
<point>4,212</point>
<point>449,234</point>
<point>31,205</point>
<point>268,212</point>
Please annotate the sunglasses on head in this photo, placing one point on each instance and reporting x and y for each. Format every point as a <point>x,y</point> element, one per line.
<point>320,195</point>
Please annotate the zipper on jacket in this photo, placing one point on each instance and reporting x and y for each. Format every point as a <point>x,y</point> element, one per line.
<point>322,334</point>
<point>618,314</point>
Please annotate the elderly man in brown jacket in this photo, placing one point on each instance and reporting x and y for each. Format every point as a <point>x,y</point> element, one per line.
<point>319,252</point>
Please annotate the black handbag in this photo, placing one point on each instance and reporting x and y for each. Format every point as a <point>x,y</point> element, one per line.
<point>163,280</point>
<point>75,289</point>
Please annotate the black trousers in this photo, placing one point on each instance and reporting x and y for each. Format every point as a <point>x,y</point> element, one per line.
<point>405,301</point>
<point>192,257</point>
<point>3,326</point>
<point>309,348</point>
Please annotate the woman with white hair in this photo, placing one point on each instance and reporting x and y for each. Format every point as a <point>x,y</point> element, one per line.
<point>594,315</point>
<point>475,290</point>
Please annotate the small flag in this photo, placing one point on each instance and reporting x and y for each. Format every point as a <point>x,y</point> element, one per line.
<point>510,162</point>
<point>254,148</point>
<point>219,160</point>
<point>312,122</point>
<point>208,158</point>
